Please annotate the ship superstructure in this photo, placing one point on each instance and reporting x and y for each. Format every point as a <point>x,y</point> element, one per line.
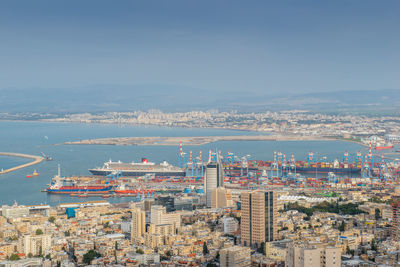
<point>135,169</point>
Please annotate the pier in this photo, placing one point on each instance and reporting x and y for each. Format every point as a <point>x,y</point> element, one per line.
<point>36,160</point>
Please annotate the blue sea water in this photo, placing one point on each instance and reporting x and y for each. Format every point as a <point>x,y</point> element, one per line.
<point>9,162</point>
<point>36,137</point>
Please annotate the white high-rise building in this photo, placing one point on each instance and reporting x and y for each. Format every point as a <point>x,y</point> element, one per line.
<point>213,178</point>
<point>231,225</point>
<point>159,215</point>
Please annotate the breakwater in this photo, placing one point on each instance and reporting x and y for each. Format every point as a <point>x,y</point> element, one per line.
<point>36,160</point>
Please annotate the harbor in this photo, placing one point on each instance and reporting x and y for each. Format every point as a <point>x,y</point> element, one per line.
<point>76,160</point>
<point>146,179</point>
<point>36,160</point>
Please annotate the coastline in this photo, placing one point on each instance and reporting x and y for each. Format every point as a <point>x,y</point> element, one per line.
<point>193,140</point>
<point>151,141</point>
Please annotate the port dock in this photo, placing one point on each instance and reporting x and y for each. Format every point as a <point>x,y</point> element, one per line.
<point>36,160</point>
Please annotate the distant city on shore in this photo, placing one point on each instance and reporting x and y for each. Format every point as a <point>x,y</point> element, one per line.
<point>299,124</point>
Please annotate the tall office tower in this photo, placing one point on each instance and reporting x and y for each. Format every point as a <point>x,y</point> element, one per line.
<point>235,256</point>
<point>259,212</point>
<point>138,224</point>
<point>213,178</point>
<point>395,231</point>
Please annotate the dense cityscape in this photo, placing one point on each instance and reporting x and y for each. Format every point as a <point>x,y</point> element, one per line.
<point>204,133</point>
<point>222,212</point>
<point>342,227</point>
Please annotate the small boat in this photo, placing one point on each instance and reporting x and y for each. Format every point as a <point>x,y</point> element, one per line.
<point>35,173</point>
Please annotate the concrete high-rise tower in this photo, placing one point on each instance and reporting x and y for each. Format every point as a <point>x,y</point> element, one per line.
<point>395,230</point>
<point>138,227</point>
<point>213,178</point>
<point>259,217</point>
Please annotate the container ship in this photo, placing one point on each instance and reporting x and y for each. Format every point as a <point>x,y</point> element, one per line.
<point>83,189</point>
<point>328,170</point>
<point>62,185</point>
<point>135,169</point>
<point>315,167</point>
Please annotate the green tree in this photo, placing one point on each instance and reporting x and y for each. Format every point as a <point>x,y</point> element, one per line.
<point>115,251</point>
<point>30,255</point>
<point>349,251</point>
<point>168,253</point>
<point>90,255</point>
<point>205,249</point>
<point>377,214</point>
<point>363,250</point>
<point>342,226</point>
<point>67,233</point>
<point>52,219</point>
<point>261,249</point>
<point>14,257</point>
<point>373,245</point>
<point>39,232</point>
<point>139,251</point>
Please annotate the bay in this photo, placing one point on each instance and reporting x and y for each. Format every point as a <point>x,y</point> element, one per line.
<point>36,137</point>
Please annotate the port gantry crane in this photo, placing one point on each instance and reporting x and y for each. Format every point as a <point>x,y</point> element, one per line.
<point>182,156</point>
<point>383,170</point>
<point>359,159</point>
<point>310,158</point>
<point>275,172</point>
<point>199,165</point>
<point>195,165</point>
<point>346,158</point>
<point>292,168</point>
<point>366,170</point>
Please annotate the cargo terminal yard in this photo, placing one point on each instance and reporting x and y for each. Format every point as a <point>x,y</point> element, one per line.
<point>146,179</point>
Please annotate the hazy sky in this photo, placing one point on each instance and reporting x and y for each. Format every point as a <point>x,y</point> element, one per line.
<point>251,46</point>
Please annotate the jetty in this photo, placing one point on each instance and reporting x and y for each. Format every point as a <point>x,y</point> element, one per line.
<point>36,160</point>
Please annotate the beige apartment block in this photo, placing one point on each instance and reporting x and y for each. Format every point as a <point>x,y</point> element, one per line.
<point>235,256</point>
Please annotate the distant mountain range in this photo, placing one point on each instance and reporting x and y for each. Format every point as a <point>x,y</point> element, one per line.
<point>103,98</point>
